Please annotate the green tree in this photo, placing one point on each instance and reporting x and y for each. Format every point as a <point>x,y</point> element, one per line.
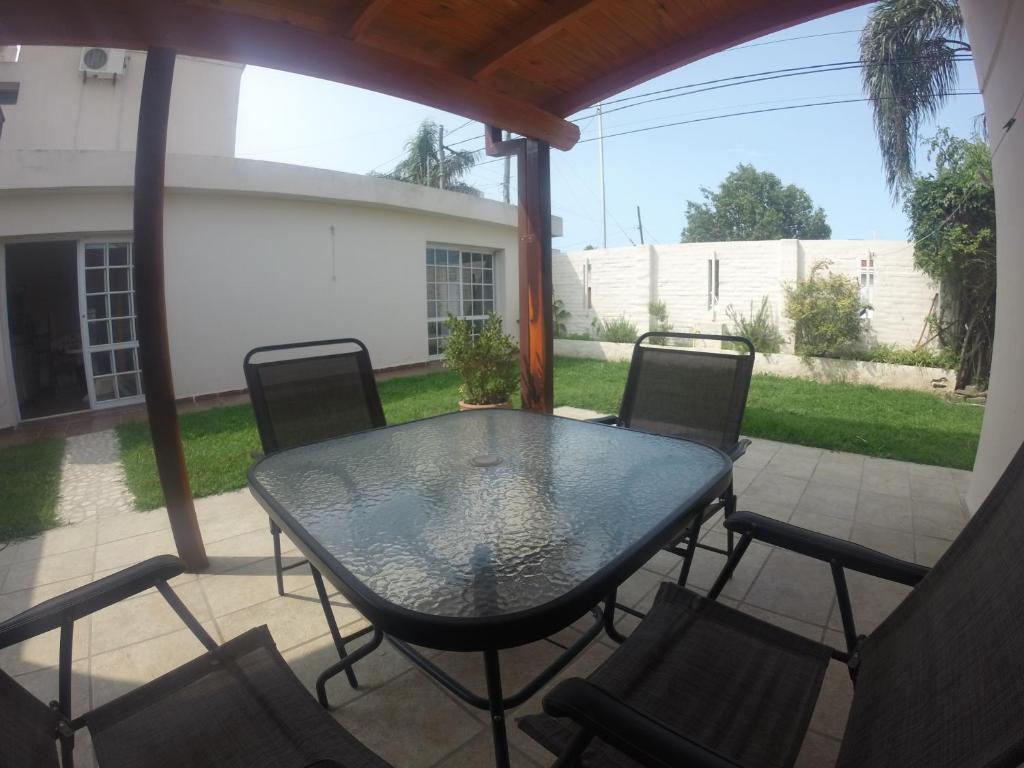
<point>952,214</point>
<point>825,310</point>
<point>754,205</point>
<point>909,49</point>
<point>422,162</point>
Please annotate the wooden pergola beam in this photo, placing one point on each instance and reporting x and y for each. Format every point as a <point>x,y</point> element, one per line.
<point>151,306</point>
<point>539,27</point>
<point>536,345</point>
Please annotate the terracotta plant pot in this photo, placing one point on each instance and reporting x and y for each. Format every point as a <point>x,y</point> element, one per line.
<point>463,406</point>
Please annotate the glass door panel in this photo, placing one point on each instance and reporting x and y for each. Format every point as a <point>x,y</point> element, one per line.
<point>107,298</point>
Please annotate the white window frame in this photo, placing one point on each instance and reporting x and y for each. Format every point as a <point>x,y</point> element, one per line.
<point>714,284</point>
<point>866,282</point>
<point>437,308</point>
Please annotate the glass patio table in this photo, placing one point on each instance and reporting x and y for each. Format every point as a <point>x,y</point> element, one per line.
<point>485,530</point>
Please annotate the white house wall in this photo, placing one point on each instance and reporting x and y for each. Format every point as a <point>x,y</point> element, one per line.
<point>248,253</point>
<point>996,32</point>
<point>59,109</point>
<point>623,281</point>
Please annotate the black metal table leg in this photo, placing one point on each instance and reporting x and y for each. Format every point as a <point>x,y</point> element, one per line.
<point>609,619</point>
<point>339,642</point>
<point>492,669</point>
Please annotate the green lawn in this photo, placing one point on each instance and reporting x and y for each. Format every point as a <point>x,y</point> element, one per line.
<point>29,482</point>
<point>899,424</point>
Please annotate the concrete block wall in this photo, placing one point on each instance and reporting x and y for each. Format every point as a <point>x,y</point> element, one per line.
<point>623,281</point>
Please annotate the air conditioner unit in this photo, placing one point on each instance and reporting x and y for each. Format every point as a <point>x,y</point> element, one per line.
<point>102,62</point>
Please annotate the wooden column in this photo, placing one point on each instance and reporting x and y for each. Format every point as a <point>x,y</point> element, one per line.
<point>151,306</point>
<point>536,328</point>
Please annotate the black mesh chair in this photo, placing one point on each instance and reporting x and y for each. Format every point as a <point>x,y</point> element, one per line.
<point>305,392</point>
<point>939,684</point>
<point>300,398</point>
<point>236,705</point>
<point>691,392</point>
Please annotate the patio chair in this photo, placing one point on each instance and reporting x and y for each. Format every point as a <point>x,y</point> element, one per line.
<point>236,705</point>
<point>694,393</point>
<point>300,398</point>
<point>939,684</point>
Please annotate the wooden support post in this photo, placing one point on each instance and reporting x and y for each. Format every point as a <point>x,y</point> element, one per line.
<point>151,306</point>
<point>536,328</point>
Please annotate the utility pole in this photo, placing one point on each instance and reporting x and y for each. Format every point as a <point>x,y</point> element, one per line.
<point>440,156</point>
<point>640,223</point>
<point>600,156</point>
<point>508,165</point>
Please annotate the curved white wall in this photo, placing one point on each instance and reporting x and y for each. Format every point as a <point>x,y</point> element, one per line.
<point>249,252</point>
<point>996,31</point>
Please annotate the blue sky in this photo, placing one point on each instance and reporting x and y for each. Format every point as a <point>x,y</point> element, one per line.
<point>830,151</point>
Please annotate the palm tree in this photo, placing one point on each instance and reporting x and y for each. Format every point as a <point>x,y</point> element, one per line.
<point>422,163</point>
<point>909,49</point>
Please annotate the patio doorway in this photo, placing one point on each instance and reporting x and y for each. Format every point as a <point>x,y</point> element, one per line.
<point>107,300</point>
<point>45,333</point>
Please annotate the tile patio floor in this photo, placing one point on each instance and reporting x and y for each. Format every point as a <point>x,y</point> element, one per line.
<point>910,511</point>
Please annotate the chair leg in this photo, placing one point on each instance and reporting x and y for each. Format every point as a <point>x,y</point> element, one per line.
<point>691,548</point>
<point>730,506</point>
<point>275,532</point>
<point>332,624</point>
<point>730,566</point>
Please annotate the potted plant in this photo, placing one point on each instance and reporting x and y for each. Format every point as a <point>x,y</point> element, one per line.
<point>488,364</point>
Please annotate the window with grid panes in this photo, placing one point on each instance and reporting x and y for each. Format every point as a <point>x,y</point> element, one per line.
<point>460,281</point>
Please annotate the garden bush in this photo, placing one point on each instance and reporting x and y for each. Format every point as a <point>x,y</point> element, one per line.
<point>920,356</point>
<point>620,330</point>
<point>759,327</point>
<point>825,310</point>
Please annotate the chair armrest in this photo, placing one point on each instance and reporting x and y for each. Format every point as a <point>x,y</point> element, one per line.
<point>604,420</point>
<point>827,548</point>
<point>89,598</point>
<point>625,728</point>
<point>739,449</point>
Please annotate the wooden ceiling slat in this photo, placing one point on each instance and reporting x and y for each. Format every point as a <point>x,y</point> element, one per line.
<point>535,29</point>
<point>364,16</point>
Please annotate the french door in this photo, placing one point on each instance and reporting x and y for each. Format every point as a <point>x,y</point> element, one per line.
<point>106,294</point>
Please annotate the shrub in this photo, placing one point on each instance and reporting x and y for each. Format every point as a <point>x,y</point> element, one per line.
<point>560,316</point>
<point>659,320</point>
<point>620,330</point>
<point>488,364</point>
<point>920,356</point>
<point>759,327</point>
<point>825,310</point>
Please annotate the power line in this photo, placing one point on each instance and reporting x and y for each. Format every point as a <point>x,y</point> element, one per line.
<point>757,112</point>
<point>734,80</point>
<point>791,39</point>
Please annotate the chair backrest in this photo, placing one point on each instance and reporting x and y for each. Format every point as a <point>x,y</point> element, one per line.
<point>941,681</point>
<point>28,728</point>
<point>688,391</point>
<point>300,398</point>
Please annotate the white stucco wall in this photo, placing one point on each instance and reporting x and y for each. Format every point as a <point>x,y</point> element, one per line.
<point>996,31</point>
<point>58,109</point>
<point>623,281</point>
<point>248,252</point>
